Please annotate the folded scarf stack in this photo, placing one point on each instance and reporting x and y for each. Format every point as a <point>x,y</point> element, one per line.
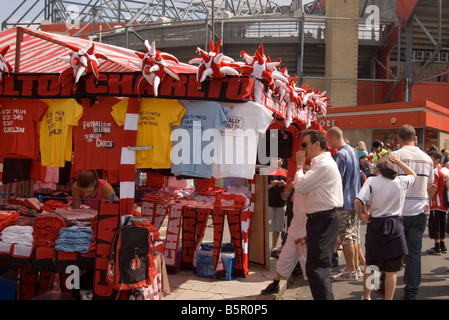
<point>74,239</point>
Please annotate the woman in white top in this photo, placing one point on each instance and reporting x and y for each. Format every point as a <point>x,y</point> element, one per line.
<point>384,196</point>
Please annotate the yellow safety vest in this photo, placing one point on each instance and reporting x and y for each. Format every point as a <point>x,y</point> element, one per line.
<point>382,153</point>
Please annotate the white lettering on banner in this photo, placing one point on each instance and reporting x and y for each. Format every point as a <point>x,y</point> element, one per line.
<point>171,240</point>
<point>159,216</point>
<point>328,123</point>
<point>147,208</point>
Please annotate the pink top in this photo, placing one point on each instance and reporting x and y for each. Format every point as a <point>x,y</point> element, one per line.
<point>95,204</point>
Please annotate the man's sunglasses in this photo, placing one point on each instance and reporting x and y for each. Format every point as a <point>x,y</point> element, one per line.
<point>304,145</point>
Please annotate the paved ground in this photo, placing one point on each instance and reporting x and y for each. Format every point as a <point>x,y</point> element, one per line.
<point>185,285</point>
<point>434,282</point>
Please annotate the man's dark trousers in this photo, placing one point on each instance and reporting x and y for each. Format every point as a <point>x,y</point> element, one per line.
<point>322,230</point>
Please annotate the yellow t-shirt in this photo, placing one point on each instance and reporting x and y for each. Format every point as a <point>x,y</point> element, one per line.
<point>156,118</point>
<point>55,133</point>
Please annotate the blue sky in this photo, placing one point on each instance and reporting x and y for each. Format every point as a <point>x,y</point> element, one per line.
<point>8,6</point>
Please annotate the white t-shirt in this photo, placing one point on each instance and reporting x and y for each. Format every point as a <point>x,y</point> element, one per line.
<point>239,139</point>
<point>417,198</point>
<point>385,196</point>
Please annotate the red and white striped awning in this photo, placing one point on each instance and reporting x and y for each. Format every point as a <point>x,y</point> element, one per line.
<point>37,51</point>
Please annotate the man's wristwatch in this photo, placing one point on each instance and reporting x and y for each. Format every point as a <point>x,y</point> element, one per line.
<point>299,167</point>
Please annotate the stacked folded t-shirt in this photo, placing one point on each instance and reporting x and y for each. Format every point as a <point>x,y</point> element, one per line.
<point>18,235</point>
<point>74,239</point>
<point>46,230</point>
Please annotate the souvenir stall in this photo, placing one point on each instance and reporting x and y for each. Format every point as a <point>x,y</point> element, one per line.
<point>70,101</point>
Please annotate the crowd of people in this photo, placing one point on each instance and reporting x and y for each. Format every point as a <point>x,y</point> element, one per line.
<point>396,191</point>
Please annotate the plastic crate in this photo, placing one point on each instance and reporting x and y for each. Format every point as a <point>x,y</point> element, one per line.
<point>205,264</point>
<point>8,289</point>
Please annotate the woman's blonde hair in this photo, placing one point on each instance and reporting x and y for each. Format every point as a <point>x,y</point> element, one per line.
<point>361,146</point>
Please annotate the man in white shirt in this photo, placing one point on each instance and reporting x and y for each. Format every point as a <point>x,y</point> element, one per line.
<point>415,206</point>
<point>323,193</point>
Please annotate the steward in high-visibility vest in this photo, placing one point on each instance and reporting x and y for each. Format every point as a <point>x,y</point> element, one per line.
<point>379,151</point>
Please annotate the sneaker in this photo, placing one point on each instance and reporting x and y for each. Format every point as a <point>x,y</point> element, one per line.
<point>346,276</point>
<point>444,250</point>
<point>363,298</point>
<point>271,289</point>
<point>434,252</point>
<point>359,271</point>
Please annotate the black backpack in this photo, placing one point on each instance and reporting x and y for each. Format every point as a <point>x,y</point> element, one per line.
<point>132,254</point>
<point>369,168</point>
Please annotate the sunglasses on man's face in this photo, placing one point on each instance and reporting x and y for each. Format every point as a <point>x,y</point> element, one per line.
<point>304,144</point>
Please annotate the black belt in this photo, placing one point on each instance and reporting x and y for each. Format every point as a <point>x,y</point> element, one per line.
<point>319,213</point>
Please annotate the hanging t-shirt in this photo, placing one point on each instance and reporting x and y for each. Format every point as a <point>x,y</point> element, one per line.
<point>202,121</point>
<point>18,125</point>
<point>97,138</point>
<point>56,131</point>
<point>156,118</point>
<point>245,121</point>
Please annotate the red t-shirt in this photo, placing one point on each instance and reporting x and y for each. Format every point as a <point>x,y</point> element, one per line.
<point>18,127</point>
<point>437,202</point>
<point>97,138</point>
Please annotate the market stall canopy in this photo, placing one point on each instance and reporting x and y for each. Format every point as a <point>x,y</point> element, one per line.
<point>40,65</point>
<point>37,51</point>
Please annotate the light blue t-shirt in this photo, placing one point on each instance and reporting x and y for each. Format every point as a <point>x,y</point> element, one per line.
<point>192,152</point>
<point>348,165</point>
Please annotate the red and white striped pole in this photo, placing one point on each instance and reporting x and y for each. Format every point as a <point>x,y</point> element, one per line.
<point>128,157</point>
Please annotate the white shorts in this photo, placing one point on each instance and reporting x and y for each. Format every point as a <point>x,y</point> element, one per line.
<point>276,218</point>
<point>289,256</point>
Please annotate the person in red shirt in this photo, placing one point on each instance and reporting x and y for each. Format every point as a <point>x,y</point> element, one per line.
<point>437,216</point>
